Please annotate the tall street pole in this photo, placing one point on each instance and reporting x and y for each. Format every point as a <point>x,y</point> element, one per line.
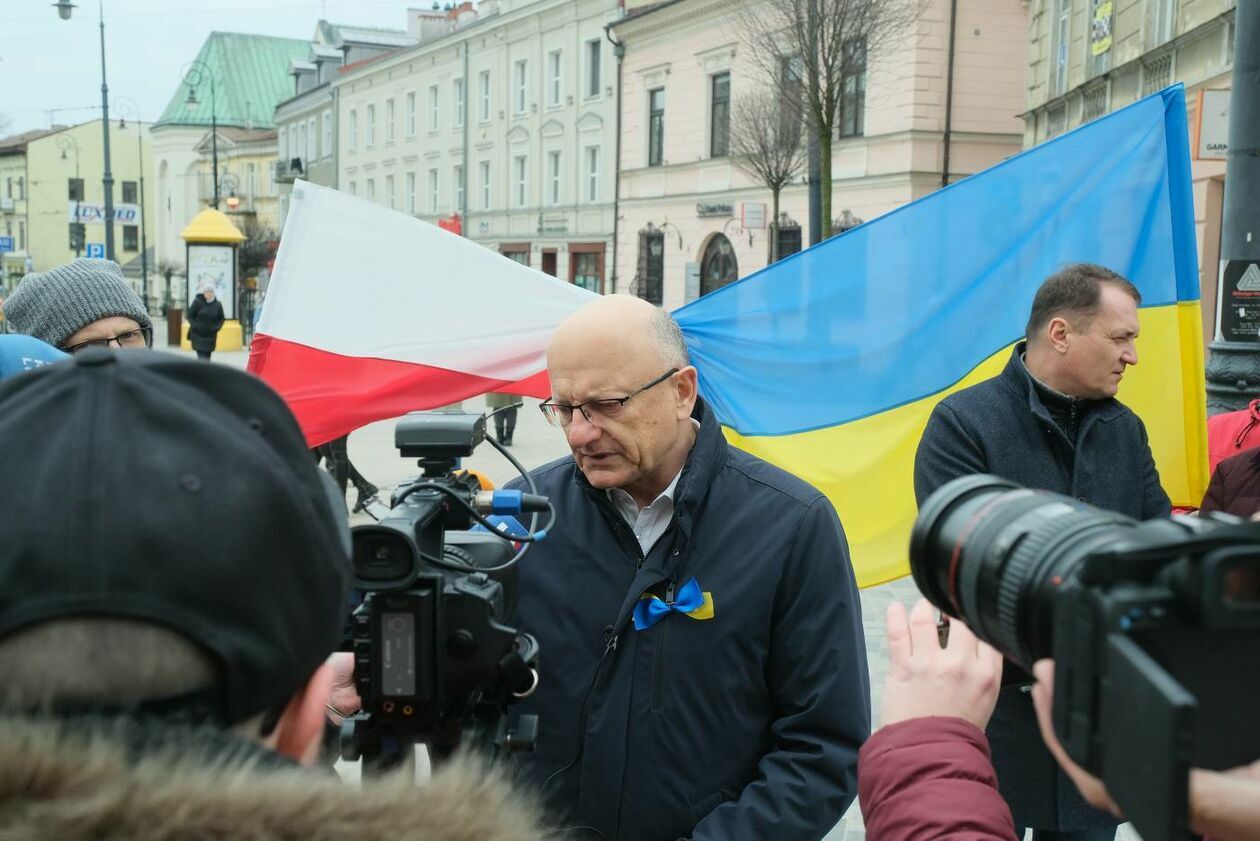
<point>107,180</point>
<point>1233,370</point>
<point>814,160</point>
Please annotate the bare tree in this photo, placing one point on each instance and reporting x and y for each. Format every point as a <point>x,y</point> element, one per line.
<point>814,52</point>
<point>766,135</point>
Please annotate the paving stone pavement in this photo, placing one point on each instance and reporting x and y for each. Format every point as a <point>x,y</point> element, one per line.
<point>535,443</point>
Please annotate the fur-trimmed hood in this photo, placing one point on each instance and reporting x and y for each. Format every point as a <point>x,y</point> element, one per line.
<point>73,783</point>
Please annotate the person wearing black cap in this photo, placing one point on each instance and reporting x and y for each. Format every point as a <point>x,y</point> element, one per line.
<point>173,575</point>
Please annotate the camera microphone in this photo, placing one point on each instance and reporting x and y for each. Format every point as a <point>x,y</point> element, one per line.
<point>509,502</point>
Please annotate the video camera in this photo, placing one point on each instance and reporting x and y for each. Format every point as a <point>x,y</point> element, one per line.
<point>1154,628</point>
<point>433,660</point>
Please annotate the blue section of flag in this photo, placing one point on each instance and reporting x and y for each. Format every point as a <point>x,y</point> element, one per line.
<point>904,306</point>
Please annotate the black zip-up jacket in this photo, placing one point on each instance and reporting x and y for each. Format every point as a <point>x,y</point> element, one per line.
<point>743,726</point>
<point>1001,426</point>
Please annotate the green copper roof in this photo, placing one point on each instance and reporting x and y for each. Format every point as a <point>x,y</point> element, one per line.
<point>251,75</point>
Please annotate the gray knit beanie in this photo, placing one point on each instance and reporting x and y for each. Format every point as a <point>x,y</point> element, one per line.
<point>56,304</point>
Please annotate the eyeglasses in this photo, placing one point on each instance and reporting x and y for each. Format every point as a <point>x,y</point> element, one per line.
<point>140,337</point>
<point>609,408</point>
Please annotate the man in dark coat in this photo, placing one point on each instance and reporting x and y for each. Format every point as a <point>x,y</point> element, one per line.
<point>205,320</point>
<point>703,669</point>
<point>1235,486</point>
<point>1050,420</point>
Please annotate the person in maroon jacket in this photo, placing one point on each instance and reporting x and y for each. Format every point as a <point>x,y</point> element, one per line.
<point>1235,485</point>
<point>926,773</point>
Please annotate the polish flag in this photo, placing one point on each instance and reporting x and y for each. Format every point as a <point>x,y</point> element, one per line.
<point>371,314</point>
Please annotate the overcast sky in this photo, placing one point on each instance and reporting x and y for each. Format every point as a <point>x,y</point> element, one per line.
<point>47,63</point>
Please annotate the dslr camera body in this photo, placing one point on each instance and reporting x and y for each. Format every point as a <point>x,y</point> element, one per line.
<point>434,660</point>
<point>1154,628</point>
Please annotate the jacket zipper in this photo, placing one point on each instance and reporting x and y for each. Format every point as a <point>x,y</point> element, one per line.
<point>658,662</point>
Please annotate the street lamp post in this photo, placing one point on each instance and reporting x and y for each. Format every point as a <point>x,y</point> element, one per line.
<point>122,106</point>
<point>198,72</point>
<point>64,9</point>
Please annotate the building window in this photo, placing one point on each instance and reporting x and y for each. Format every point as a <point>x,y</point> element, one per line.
<point>485,95</point>
<point>433,191</point>
<point>1094,103</point>
<point>131,238</point>
<point>649,282</point>
<point>553,168</point>
<point>1163,22</point>
<point>311,139</point>
<point>789,236</point>
<point>128,192</point>
<point>389,120</point>
<point>389,191</point>
<point>459,103</point>
<point>1056,121</point>
<point>459,188</point>
<point>21,243</point>
<point>656,125</point>
<point>484,167</point>
<point>592,68</point>
<point>251,180</point>
<point>592,173</point>
<point>433,107</point>
<point>1059,46</point>
<point>76,189</point>
<point>78,237</point>
<point>354,130</point>
<point>282,146</point>
<point>328,134</point>
<point>553,74</point>
<point>518,252</point>
<point>717,266</point>
<point>411,113</point>
<point>520,86</point>
<point>354,188</point>
<point>301,144</point>
<point>8,187</point>
<point>371,190</point>
<point>853,88</point>
<point>21,188</point>
<point>586,268</point>
<point>719,115</point>
<point>411,193</point>
<point>518,169</point>
<point>371,126</point>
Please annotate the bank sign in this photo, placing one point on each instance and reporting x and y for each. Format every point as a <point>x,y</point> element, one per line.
<point>87,213</point>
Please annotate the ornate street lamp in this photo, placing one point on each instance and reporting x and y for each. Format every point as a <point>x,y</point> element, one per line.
<point>197,73</point>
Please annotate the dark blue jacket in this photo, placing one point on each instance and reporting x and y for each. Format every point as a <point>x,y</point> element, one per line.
<point>1000,426</point>
<point>743,726</point>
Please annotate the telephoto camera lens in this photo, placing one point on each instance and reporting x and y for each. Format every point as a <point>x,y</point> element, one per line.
<point>993,554</point>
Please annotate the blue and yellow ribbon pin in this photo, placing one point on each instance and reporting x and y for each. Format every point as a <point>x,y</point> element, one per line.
<point>691,602</point>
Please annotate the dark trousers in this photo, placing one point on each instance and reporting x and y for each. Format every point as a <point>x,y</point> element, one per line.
<point>505,425</point>
<point>337,457</point>
<point>203,354</point>
<point>1107,834</point>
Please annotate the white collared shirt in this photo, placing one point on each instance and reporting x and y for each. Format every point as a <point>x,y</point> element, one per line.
<point>648,524</point>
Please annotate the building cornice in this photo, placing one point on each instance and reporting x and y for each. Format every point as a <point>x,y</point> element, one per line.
<point>689,12</point>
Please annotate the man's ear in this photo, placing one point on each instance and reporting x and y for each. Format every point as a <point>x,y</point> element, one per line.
<point>1057,333</point>
<point>301,725</point>
<point>687,389</point>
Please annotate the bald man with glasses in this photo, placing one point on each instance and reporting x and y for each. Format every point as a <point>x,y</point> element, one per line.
<point>704,671</point>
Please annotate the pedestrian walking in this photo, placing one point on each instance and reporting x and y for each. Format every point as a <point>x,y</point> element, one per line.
<point>505,420</point>
<point>205,320</point>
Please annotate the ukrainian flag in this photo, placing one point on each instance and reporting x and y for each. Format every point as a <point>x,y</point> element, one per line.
<point>828,363</point>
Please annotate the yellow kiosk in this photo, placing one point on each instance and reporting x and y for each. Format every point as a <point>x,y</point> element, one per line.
<point>211,242</point>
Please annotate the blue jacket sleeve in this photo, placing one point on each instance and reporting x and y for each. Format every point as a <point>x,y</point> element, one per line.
<point>821,689</point>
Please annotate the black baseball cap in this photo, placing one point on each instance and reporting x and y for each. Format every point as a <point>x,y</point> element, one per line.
<point>156,488</point>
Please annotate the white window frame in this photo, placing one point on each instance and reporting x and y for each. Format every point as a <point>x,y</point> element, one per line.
<point>484,77</point>
<point>592,173</point>
<point>520,170</point>
<point>458,96</point>
<point>301,144</point>
<point>484,170</point>
<point>312,153</point>
<point>371,189</point>
<point>354,130</point>
<point>433,191</point>
<point>282,145</point>
<point>389,121</point>
<point>458,175</point>
<point>389,191</point>
<point>370,132</point>
<point>328,133</point>
<point>555,69</point>
<point>411,113</point>
<point>521,75</point>
<point>354,188</point>
<point>410,193</point>
<point>594,68</point>
<point>553,169</point>
<point>434,107</point>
